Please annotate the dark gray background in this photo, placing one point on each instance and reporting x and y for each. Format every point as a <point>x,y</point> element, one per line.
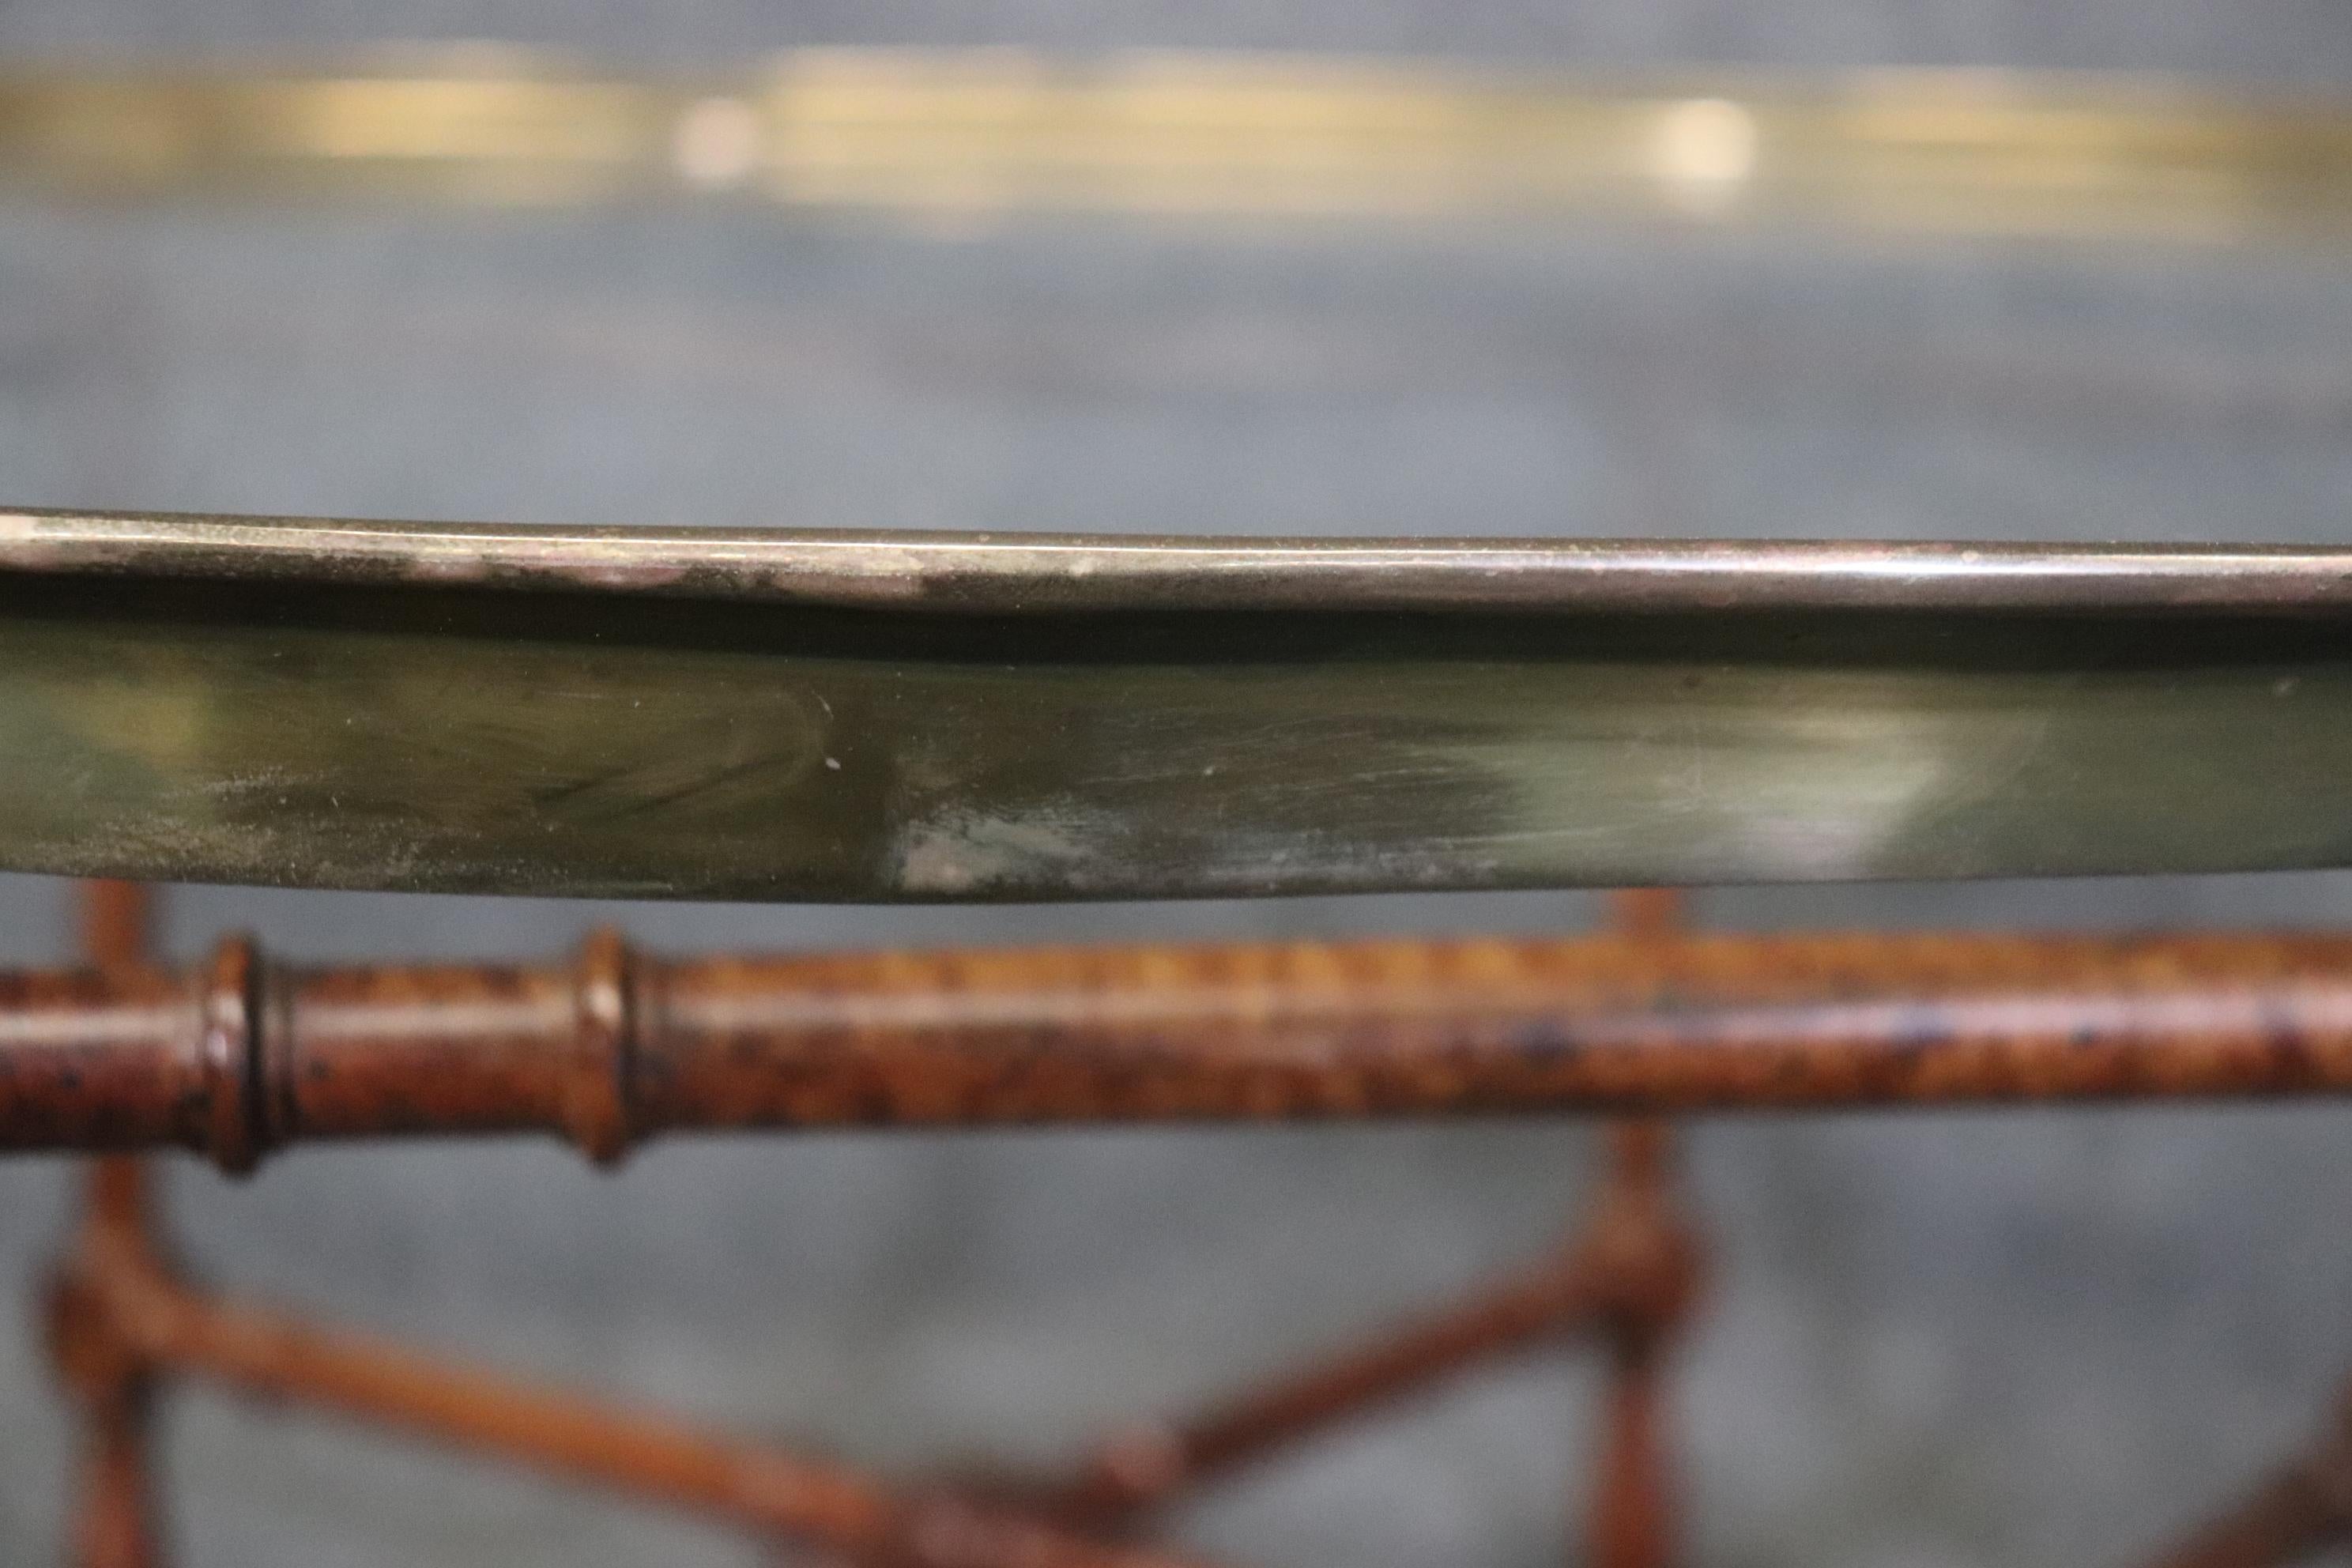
<point>2042,1338</point>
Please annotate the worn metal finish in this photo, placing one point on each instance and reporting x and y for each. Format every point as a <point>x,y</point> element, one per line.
<point>1037,573</point>
<point>994,130</point>
<point>877,717</point>
<point>94,1060</point>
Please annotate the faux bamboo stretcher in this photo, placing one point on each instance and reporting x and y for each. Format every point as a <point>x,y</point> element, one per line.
<point>236,1057</point>
<point>233,1051</point>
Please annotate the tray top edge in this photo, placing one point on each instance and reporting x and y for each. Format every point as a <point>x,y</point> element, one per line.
<point>1013,573</point>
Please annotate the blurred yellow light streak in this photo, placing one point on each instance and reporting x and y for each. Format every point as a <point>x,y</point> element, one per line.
<point>994,130</point>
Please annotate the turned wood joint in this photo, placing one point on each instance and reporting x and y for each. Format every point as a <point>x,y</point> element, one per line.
<point>240,1069</point>
<point>596,1084</point>
<point>230,1125</point>
<point>1645,1260</point>
<point>1135,1467</point>
<point>950,1528</point>
<point>100,1344</point>
<point>1654,1287</point>
<point>99,1363</point>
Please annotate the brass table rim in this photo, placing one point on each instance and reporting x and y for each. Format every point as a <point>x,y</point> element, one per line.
<point>1011,573</point>
<point>972,132</point>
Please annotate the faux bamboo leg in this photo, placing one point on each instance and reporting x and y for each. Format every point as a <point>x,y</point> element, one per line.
<point>113,1524</point>
<point>1632,1523</point>
<point>1629,1275</point>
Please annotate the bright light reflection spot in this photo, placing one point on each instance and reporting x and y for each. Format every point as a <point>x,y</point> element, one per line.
<point>717,142</point>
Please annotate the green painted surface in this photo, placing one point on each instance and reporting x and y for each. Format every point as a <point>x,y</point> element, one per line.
<point>599,744</point>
